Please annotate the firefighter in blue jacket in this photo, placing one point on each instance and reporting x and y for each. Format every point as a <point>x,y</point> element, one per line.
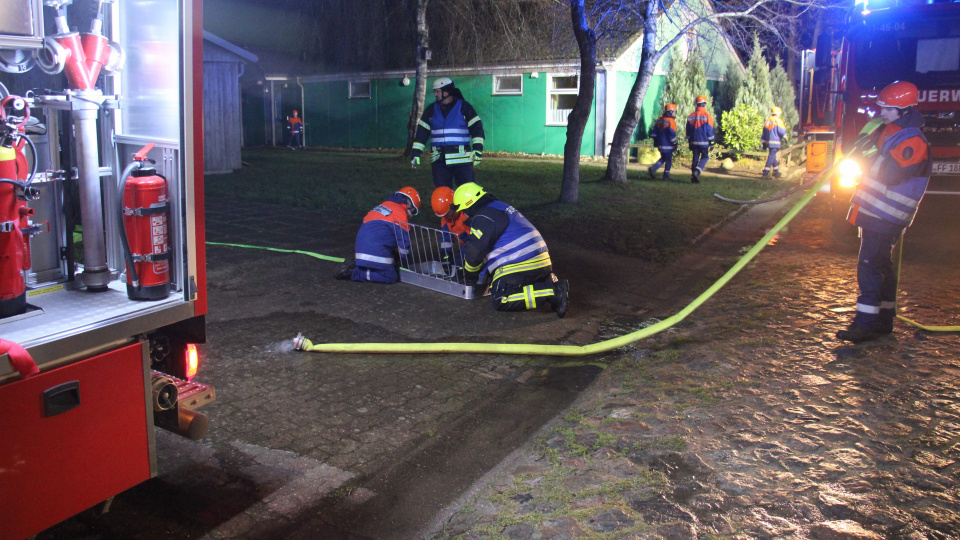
<point>701,138</point>
<point>383,236</point>
<point>456,136</point>
<point>896,168</point>
<point>774,133</point>
<point>503,246</point>
<point>664,135</point>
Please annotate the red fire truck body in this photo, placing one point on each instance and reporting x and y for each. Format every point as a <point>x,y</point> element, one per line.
<point>106,189</point>
<point>883,42</point>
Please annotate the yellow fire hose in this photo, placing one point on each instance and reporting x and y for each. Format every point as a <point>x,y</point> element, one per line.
<point>309,253</point>
<point>897,257</point>
<point>304,344</point>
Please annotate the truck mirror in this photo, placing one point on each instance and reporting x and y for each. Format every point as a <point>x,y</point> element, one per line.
<point>824,48</point>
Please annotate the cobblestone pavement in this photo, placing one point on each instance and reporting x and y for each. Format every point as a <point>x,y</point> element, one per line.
<point>750,420</point>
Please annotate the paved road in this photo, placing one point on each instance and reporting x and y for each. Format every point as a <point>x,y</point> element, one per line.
<point>368,446</point>
<point>750,420</point>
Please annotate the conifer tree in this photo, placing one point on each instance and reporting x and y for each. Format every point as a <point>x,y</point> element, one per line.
<point>784,97</point>
<point>677,89</point>
<point>756,89</point>
<point>697,74</point>
<point>729,87</point>
<point>686,80</point>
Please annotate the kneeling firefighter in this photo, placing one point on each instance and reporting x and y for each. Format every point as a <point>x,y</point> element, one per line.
<point>506,247</point>
<point>383,235</point>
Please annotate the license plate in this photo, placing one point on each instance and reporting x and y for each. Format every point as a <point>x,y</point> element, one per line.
<point>942,167</point>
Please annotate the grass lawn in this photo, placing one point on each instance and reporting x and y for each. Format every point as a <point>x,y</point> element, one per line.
<point>652,220</point>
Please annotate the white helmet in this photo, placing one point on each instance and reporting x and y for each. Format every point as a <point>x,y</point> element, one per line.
<point>442,82</point>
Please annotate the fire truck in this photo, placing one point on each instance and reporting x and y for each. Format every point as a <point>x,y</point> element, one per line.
<point>102,279</point>
<point>881,42</point>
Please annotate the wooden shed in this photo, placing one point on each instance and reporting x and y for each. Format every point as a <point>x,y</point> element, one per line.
<point>223,64</point>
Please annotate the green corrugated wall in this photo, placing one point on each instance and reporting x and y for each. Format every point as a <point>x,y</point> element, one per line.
<point>511,123</point>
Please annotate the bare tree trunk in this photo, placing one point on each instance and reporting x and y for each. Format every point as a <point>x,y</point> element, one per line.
<point>420,88</point>
<point>620,147</point>
<point>577,120</point>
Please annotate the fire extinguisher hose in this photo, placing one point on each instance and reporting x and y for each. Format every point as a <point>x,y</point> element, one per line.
<point>127,254</point>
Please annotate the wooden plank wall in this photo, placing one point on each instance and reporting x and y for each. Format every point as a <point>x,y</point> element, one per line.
<point>221,117</point>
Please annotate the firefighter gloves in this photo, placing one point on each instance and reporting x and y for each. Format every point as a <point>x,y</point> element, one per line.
<point>477,156</point>
<point>415,162</point>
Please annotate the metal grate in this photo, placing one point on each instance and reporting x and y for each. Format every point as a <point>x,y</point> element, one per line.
<point>432,262</point>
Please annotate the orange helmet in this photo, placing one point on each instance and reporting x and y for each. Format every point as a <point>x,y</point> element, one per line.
<point>899,94</point>
<point>294,111</point>
<point>670,107</point>
<point>414,197</point>
<point>701,99</point>
<point>441,200</point>
<point>776,110</point>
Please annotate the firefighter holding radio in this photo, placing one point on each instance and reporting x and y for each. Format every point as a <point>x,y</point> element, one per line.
<point>383,235</point>
<point>456,136</point>
<point>896,168</point>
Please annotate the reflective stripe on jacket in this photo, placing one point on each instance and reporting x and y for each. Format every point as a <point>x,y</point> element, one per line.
<point>700,128</point>
<point>519,242</point>
<point>384,230</point>
<point>892,187</point>
<point>664,134</point>
<point>773,132</point>
<point>450,130</point>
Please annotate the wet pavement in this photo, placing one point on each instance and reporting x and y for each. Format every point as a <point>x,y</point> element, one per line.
<point>748,420</point>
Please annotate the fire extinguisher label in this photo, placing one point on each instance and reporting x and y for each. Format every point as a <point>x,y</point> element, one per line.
<point>158,226</point>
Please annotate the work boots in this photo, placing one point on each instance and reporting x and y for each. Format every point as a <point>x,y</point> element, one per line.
<point>561,294</point>
<point>776,173</point>
<point>666,177</point>
<point>695,177</point>
<point>346,271</point>
<point>765,174</point>
<point>650,172</point>
<point>858,334</point>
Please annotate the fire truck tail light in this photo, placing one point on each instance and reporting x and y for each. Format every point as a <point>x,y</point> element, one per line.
<point>192,361</point>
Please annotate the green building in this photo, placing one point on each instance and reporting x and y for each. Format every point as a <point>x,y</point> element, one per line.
<point>523,106</point>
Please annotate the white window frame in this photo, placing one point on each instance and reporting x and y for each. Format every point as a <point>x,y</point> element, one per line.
<point>498,92</point>
<point>353,94</point>
<point>558,117</point>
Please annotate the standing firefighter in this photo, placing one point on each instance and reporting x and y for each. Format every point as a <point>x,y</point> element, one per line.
<point>383,235</point>
<point>664,135</point>
<point>896,168</point>
<point>456,136</point>
<point>504,245</point>
<point>700,135</point>
<point>774,133</point>
<point>295,127</point>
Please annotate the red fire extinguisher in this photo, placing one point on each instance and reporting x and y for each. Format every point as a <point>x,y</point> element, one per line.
<point>14,213</point>
<point>144,234</point>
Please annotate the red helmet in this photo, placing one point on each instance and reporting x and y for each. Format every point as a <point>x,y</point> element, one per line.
<point>414,197</point>
<point>441,200</point>
<point>670,107</point>
<point>899,94</point>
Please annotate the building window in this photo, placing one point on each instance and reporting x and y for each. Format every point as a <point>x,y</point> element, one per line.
<point>359,89</point>
<point>508,85</point>
<point>561,96</point>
